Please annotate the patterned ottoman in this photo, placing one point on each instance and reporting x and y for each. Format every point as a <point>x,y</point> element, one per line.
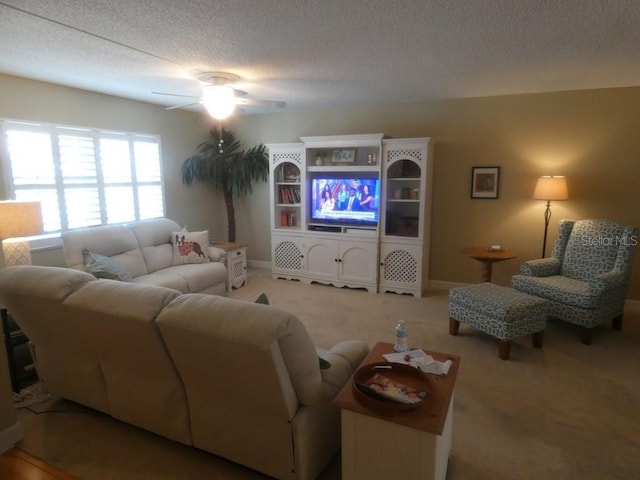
<point>502,312</point>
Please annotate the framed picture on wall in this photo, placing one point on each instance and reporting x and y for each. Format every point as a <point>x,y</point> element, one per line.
<point>485,182</point>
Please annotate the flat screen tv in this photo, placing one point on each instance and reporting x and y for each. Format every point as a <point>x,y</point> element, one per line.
<point>345,201</point>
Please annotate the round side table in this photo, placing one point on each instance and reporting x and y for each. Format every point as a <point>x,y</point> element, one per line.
<point>487,258</point>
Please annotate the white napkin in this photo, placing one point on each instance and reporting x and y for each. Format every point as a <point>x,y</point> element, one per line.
<point>430,365</point>
<point>419,359</point>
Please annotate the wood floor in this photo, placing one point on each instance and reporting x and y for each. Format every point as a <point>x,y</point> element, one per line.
<point>18,465</point>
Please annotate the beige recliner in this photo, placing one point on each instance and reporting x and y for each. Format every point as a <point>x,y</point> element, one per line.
<point>237,379</point>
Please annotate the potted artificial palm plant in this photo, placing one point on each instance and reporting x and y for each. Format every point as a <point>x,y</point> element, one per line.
<point>222,164</point>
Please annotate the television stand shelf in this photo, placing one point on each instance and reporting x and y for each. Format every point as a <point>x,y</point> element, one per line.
<point>325,228</point>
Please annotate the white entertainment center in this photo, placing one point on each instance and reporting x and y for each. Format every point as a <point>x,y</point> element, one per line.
<point>329,237</point>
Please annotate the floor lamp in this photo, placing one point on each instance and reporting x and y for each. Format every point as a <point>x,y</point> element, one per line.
<point>550,187</point>
<point>18,219</point>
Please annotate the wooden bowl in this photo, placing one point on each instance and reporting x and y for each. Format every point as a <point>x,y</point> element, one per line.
<point>398,373</point>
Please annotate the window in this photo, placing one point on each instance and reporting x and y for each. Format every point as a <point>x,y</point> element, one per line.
<point>83,177</point>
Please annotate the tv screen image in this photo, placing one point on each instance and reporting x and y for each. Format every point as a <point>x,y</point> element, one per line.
<point>345,201</point>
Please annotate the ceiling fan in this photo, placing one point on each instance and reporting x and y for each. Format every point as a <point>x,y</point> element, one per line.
<point>219,98</point>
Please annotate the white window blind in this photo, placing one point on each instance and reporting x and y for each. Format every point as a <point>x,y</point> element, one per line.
<point>83,177</point>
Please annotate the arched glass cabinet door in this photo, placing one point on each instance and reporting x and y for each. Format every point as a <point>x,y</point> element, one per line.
<point>403,189</point>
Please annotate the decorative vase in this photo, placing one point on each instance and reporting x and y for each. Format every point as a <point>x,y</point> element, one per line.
<point>319,161</point>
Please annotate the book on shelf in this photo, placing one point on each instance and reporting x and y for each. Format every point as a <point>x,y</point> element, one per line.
<point>288,219</point>
<point>289,194</point>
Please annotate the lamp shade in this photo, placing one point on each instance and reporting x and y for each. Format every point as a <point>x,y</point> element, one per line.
<point>219,100</point>
<point>551,187</point>
<point>20,219</point>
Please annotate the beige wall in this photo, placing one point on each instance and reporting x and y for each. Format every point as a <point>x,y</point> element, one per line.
<point>589,136</point>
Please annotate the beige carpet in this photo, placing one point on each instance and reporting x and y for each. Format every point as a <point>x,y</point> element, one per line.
<point>567,411</point>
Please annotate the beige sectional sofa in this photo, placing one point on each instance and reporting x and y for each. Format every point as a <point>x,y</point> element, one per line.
<point>145,250</point>
<point>238,379</point>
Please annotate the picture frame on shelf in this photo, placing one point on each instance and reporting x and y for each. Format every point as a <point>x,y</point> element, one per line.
<point>345,155</point>
<point>291,173</point>
<point>485,182</point>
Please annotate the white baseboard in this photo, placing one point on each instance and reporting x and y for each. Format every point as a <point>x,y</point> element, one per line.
<point>10,436</point>
<point>632,306</point>
<point>444,285</point>
<point>259,264</point>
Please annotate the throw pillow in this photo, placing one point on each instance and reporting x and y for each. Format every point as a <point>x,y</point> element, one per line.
<point>101,266</point>
<point>324,364</point>
<point>190,247</point>
<point>262,299</point>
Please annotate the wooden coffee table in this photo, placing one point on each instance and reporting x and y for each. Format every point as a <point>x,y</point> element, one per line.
<point>408,444</point>
<point>488,258</point>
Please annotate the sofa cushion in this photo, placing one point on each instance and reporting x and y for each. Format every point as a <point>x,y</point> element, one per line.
<point>164,279</point>
<point>190,247</point>
<point>559,289</point>
<point>101,266</point>
<point>43,283</point>
<point>115,241</point>
<point>189,278</point>
<point>154,238</point>
<point>115,323</point>
<point>324,364</point>
<point>244,390</point>
<point>237,326</point>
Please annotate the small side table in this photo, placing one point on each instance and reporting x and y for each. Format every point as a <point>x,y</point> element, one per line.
<point>409,444</point>
<point>236,263</point>
<point>488,258</point>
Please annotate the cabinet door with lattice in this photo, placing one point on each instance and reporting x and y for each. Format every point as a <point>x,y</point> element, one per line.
<point>287,257</point>
<point>401,268</point>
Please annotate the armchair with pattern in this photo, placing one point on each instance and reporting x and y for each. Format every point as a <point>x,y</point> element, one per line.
<point>587,276</point>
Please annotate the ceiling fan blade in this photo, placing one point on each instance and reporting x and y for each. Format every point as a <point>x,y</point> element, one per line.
<point>250,102</point>
<point>182,105</point>
<point>174,95</point>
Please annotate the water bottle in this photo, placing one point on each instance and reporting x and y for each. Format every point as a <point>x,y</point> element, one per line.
<point>402,337</point>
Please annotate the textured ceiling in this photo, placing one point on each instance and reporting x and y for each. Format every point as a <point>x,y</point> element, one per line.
<point>324,52</point>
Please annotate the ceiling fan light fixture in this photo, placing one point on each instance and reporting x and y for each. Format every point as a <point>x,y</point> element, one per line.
<point>219,100</point>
